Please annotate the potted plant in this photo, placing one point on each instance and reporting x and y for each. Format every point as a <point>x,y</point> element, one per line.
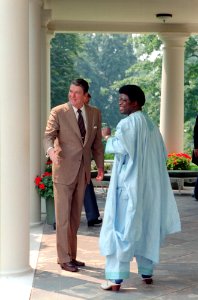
<point>44,186</point>
<point>178,161</point>
<point>180,169</point>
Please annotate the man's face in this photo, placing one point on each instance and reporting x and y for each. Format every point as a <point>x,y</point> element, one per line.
<point>77,96</point>
<point>125,105</point>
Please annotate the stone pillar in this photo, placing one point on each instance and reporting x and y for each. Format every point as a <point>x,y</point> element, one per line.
<point>46,85</point>
<point>45,78</point>
<point>49,36</point>
<point>14,137</point>
<point>43,93</point>
<point>35,110</point>
<point>172,91</point>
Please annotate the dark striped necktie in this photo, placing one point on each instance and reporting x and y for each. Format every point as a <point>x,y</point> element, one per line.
<point>81,125</point>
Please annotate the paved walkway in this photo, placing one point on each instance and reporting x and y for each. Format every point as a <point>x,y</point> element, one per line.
<point>176,277</point>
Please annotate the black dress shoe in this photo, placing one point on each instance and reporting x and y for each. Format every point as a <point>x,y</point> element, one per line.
<point>70,267</point>
<point>147,279</point>
<point>94,222</point>
<point>77,263</point>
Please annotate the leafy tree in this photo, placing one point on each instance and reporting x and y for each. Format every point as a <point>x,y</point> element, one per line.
<point>146,72</point>
<point>191,78</point>
<point>108,61</point>
<point>104,60</point>
<point>65,49</point>
<point>190,90</point>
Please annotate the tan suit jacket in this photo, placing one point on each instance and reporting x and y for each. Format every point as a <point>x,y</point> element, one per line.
<point>62,133</point>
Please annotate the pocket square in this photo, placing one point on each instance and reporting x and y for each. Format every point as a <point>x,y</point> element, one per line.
<point>95,127</point>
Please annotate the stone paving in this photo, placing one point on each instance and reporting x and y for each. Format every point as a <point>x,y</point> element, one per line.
<point>176,277</point>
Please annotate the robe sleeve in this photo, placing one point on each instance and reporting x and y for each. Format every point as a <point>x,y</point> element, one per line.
<point>115,144</point>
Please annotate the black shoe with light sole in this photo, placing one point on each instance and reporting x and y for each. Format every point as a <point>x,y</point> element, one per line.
<point>95,222</point>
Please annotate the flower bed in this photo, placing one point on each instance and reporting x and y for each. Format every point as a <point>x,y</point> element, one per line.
<point>178,161</point>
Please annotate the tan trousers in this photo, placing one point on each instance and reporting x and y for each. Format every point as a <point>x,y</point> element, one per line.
<point>68,206</point>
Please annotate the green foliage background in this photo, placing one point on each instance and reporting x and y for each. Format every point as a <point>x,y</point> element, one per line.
<point>107,61</point>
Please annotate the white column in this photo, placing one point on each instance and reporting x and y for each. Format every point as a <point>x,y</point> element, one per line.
<point>49,36</point>
<point>46,86</point>
<point>172,93</point>
<point>45,78</point>
<point>14,137</point>
<point>43,93</point>
<point>35,111</point>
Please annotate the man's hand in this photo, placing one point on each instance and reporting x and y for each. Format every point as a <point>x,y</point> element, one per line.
<point>196,152</point>
<point>106,133</point>
<point>100,174</point>
<point>53,156</point>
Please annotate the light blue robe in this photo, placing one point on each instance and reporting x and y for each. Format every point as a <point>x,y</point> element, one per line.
<point>140,207</point>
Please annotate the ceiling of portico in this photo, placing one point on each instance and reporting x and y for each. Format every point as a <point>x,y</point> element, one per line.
<point>137,16</point>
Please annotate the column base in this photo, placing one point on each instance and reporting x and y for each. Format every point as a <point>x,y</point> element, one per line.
<point>36,224</point>
<point>22,272</point>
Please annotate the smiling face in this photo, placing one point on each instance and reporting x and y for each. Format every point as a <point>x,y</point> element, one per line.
<point>76,96</point>
<point>126,106</point>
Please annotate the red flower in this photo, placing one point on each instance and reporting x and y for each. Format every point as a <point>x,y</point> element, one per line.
<point>187,156</point>
<point>46,174</point>
<point>179,155</point>
<point>41,186</point>
<point>178,161</point>
<point>44,183</point>
<point>37,180</point>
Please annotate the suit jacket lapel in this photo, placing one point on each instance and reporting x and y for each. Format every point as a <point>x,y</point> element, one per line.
<point>89,122</point>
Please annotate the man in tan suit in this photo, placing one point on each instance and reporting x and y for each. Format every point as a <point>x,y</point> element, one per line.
<point>71,146</point>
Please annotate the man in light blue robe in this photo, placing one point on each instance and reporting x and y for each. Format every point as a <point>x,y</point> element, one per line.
<point>140,207</point>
